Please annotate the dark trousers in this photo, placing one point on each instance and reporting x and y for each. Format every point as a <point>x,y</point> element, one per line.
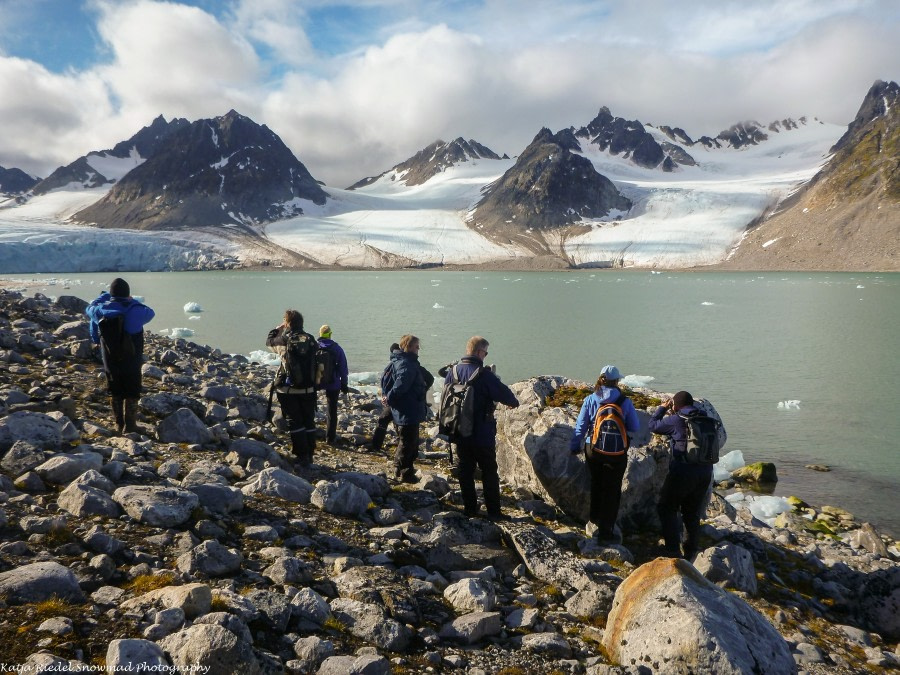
<point>299,412</point>
<point>332,398</point>
<point>384,419</point>
<point>123,377</point>
<point>606,489</point>
<point>684,492</point>
<point>470,456</point>
<point>407,449</point>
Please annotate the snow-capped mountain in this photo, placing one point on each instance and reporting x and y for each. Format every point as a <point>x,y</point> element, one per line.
<point>612,192</point>
<point>223,171</point>
<point>430,161</point>
<point>107,166</point>
<point>545,196</point>
<point>14,181</point>
<point>848,215</point>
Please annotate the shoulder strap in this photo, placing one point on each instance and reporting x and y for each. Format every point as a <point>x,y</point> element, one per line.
<point>621,398</point>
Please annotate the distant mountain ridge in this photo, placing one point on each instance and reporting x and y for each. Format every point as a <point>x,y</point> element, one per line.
<point>432,160</point>
<point>89,170</point>
<point>848,215</point>
<point>222,171</point>
<point>14,181</point>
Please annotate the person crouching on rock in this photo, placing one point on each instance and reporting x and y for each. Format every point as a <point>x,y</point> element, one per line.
<point>686,484</point>
<point>295,382</point>
<point>607,458</point>
<point>117,325</point>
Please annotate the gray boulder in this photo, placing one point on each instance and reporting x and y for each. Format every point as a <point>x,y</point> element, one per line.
<point>310,606</point>
<point>341,498</point>
<point>275,482</point>
<point>371,624</point>
<point>288,571</point>
<point>667,616</point>
<point>62,469</point>
<point>248,447</point>
<point>219,499</point>
<point>729,566</point>
<point>23,457</point>
<point>879,603</point>
<point>157,506</point>
<point>377,487</point>
<point>183,426</point>
<point>37,429</point>
<point>219,392</point>
<point>312,650</point>
<point>85,500</point>
<point>166,403</point>
<point>472,628</point>
<point>135,655</point>
<point>210,558</point>
<point>39,581</point>
<point>550,644</point>
<point>214,648</point>
<point>471,595</point>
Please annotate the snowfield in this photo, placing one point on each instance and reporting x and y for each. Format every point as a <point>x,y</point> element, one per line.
<point>692,216</point>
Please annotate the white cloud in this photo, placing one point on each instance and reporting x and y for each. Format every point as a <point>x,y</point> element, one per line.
<point>496,71</point>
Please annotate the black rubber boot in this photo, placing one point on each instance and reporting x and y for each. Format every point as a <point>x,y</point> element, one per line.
<point>118,409</point>
<point>131,407</point>
<point>378,439</point>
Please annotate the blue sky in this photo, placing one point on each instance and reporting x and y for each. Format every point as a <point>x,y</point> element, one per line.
<point>354,87</point>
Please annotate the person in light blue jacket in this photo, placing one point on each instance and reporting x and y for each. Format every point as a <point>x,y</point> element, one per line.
<point>607,471</point>
<point>117,325</point>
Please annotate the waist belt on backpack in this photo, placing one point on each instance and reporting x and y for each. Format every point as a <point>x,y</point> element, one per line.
<point>296,390</point>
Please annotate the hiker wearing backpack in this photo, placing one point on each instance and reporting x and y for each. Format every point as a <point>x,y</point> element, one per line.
<point>690,472</point>
<point>295,382</point>
<point>471,393</point>
<point>607,420</point>
<point>386,416</point>
<point>331,377</point>
<point>405,389</point>
<point>117,325</point>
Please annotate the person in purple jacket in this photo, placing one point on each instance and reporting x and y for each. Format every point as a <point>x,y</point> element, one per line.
<point>684,490</point>
<point>480,450</point>
<point>123,354</point>
<point>338,382</point>
<point>607,472</point>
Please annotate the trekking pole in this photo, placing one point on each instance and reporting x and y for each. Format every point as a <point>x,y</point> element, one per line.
<point>271,394</point>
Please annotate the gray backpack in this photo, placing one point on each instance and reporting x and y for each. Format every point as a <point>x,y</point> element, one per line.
<point>456,419</point>
<point>702,438</point>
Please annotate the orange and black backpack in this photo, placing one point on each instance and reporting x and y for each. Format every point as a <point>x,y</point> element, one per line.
<point>609,436</point>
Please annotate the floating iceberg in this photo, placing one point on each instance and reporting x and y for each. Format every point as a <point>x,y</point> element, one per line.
<point>732,461</point>
<point>192,307</point>
<point>707,304</point>
<point>437,305</point>
<point>792,404</point>
<point>637,380</point>
<point>264,357</point>
<point>181,332</point>
<point>766,507</point>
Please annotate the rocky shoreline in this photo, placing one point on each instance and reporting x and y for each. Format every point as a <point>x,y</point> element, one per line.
<point>199,545</point>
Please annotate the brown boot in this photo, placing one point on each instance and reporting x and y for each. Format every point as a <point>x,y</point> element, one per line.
<point>118,410</point>
<point>131,406</point>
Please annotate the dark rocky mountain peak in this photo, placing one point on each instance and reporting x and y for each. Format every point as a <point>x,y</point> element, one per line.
<point>630,139</point>
<point>880,101</point>
<point>548,188</point>
<point>145,143</point>
<point>432,160</point>
<point>15,181</point>
<point>743,134</point>
<point>677,134</point>
<point>225,170</point>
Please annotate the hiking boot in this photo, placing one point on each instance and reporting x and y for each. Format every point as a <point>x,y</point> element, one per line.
<point>118,410</point>
<point>496,517</point>
<point>378,439</point>
<point>131,407</point>
<point>409,476</point>
<point>607,538</point>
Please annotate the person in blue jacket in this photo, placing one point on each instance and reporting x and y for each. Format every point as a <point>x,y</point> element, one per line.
<point>606,471</point>
<point>406,395</point>
<point>338,382</point>
<point>480,450</point>
<point>684,490</point>
<point>123,354</point>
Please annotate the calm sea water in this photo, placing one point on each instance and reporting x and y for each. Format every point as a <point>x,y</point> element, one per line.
<point>747,341</point>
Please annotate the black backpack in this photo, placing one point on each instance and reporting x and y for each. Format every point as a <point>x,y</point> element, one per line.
<point>701,438</point>
<point>609,436</point>
<point>298,363</point>
<point>456,419</point>
<point>116,344</point>
<point>325,365</point>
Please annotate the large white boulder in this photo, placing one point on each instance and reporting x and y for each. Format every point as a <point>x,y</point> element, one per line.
<point>669,617</point>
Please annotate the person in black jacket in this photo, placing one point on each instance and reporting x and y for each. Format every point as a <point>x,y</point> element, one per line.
<point>684,490</point>
<point>298,404</point>
<point>480,450</point>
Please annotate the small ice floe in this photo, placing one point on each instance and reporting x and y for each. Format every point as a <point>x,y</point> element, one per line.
<point>860,286</point>
<point>792,404</point>
<point>181,332</point>
<point>707,304</point>
<point>727,463</point>
<point>193,318</point>
<point>264,357</point>
<point>637,380</point>
<point>192,307</point>
<point>437,305</point>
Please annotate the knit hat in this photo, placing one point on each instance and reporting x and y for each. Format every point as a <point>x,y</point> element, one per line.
<point>682,399</point>
<point>119,288</point>
<point>325,331</point>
